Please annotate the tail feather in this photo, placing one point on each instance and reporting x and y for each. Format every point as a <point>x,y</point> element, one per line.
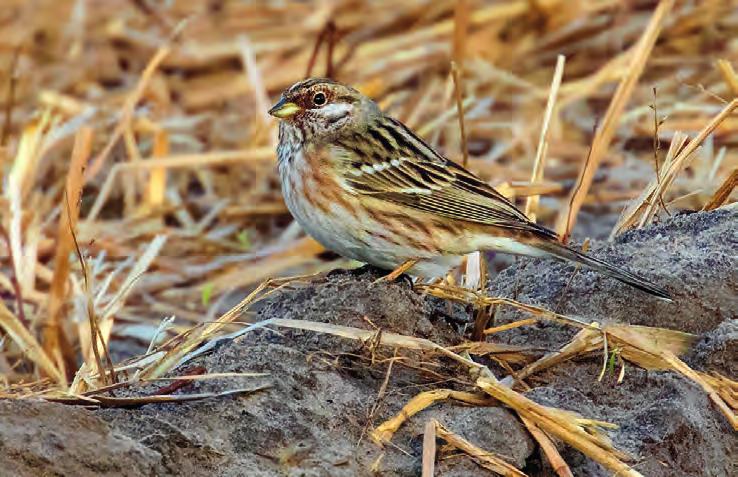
<point>565,253</point>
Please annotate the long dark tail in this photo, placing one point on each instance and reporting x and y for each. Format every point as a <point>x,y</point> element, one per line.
<point>568,254</point>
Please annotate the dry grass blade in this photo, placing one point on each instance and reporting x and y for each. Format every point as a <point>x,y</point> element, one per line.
<point>486,459</point>
<point>461,32</point>
<point>127,402</point>
<point>127,114</point>
<point>509,353</point>
<point>255,77</point>
<point>723,192</point>
<point>584,342</point>
<point>105,374</point>
<point>479,299</point>
<point>384,432</point>
<point>725,387</point>
<point>290,255</point>
<point>531,204</point>
<point>16,188</point>
<point>566,426</point>
<point>631,213</point>
<point>606,132</point>
<point>681,161</point>
<point>458,94</point>
<point>100,325</point>
<point>14,284</point>
<point>194,338</point>
<point>549,449</point>
<point>384,338</point>
<point>135,273</point>
<point>157,185</point>
<point>646,205</point>
<point>661,339</point>
<point>649,348</point>
<point>54,341</point>
<point>158,164</point>
<point>205,377</point>
<point>649,352</point>
<point>510,326</point>
<point>563,426</point>
<point>592,339</point>
<point>20,335</point>
<point>429,449</point>
<point>729,75</point>
<point>395,274</point>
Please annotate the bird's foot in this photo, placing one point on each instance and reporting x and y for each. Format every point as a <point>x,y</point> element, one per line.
<point>384,276</point>
<point>356,272</point>
<point>398,272</point>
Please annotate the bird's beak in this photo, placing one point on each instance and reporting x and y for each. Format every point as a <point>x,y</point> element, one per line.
<point>284,109</point>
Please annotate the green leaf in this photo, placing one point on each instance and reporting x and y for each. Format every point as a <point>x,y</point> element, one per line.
<point>206,293</point>
<point>244,240</point>
<point>611,361</point>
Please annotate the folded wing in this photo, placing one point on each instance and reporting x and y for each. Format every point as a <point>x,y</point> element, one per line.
<point>391,163</point>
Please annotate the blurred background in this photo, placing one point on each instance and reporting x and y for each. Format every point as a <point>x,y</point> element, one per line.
<point>138,159</point>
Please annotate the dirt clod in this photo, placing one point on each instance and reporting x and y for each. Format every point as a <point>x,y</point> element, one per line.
<point>325,393</point>
<point>40,438</point>
<point>666,422</point>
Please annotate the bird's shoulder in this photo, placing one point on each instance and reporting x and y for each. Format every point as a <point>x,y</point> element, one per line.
<point>385,152</point>
<point>389,161</point>
<point>386,155</point>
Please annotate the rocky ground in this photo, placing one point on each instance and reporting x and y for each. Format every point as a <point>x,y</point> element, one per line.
<point>325,391</point>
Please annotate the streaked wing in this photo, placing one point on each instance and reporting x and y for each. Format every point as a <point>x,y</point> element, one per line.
<point>389,162</point>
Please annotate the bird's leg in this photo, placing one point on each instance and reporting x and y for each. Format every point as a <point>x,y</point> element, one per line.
<point>392,276</point>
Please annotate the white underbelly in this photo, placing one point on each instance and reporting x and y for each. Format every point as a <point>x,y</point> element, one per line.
<point>333,230</point>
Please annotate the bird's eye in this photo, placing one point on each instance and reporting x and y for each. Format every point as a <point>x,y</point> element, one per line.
<point>319,99</point>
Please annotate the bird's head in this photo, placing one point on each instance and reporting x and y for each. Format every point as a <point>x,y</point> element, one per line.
<point>323,108</point>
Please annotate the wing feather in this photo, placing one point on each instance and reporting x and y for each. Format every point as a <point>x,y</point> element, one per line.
<point>405,170</point>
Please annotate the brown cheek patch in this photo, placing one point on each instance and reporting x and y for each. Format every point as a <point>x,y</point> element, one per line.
<point>303,100</point>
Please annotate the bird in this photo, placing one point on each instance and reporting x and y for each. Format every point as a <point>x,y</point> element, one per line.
<point>367,187</point>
